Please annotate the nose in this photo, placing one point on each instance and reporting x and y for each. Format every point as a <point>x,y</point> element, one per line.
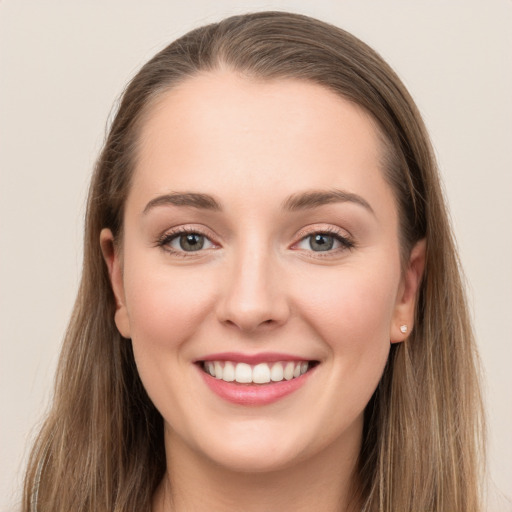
<point>254,296</point>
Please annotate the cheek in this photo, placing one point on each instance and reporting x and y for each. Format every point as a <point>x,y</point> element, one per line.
<point>351,308</point>
<point>164,307</point>
<point>351,311</point>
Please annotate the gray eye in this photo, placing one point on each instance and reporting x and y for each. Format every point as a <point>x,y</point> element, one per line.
<point>186,241</point>
<point>321,242</point>
<point>191,242</point>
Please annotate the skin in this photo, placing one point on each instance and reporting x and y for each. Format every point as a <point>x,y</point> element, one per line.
<point>258,286</point>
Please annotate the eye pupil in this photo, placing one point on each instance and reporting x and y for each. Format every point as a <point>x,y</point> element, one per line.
<point>321,242</point>
<point>191,242</point>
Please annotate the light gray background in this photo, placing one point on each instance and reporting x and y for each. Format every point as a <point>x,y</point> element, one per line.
<point>62,65</point>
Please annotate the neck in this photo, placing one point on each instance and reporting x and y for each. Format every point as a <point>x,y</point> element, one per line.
<point>195,484</point>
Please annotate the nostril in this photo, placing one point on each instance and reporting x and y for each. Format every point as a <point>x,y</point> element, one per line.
<point>250,324</point>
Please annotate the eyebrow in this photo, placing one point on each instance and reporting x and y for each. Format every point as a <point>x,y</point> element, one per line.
<point>315,198</point>
<point>190,199</point>
<point>296,202</point>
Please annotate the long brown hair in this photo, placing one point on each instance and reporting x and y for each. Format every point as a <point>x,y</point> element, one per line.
<point>101,447</point>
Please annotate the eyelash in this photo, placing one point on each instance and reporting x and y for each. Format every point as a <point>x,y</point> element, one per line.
<point>164,241</point>
<point>345,241</point>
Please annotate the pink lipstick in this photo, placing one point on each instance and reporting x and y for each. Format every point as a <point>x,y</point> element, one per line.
<point>256,379</point>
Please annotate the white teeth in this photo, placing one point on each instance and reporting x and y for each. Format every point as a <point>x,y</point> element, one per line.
<point>288,371</point>
<point>218,370</point>
<point>243,373</point>
<point>229,372</point>
<point>261,373</point>
<point>276,374</point>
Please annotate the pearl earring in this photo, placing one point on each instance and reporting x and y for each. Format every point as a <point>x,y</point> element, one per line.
<point>403,329</point>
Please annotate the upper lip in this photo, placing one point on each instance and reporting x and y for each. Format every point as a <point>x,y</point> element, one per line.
<point>262,357</point>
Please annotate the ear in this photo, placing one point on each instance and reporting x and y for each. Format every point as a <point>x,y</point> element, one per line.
<point>115,271</point>
<point>403,316</point>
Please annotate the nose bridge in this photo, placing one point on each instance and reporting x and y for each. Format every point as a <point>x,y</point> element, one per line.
<point>253,296</point>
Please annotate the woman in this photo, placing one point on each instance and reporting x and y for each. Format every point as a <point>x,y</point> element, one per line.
<point>271,314</point>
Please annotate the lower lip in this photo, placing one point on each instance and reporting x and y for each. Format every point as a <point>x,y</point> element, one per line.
<point>254,394</point>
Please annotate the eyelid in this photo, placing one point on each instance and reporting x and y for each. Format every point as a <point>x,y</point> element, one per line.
<point>322,228</point>
<point>173,233</point>
<point>343,236</point>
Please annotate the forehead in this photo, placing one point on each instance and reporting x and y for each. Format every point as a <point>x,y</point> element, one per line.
<point>220,131</point>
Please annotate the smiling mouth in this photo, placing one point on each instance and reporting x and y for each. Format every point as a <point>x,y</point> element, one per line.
<point>261,373</point>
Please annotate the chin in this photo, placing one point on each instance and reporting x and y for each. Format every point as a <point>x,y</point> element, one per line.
<point>256,460</point>
<point>259,447</point>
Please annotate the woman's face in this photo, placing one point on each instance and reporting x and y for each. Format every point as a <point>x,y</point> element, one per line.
<point>260,242</point>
